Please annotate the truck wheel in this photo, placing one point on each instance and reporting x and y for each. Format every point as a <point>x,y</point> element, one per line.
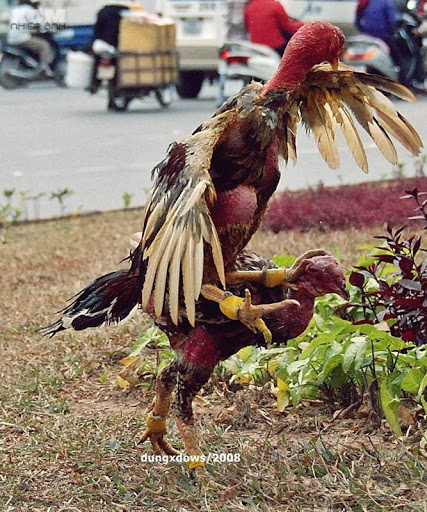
<point>118,104</point>
<point>190,83</point>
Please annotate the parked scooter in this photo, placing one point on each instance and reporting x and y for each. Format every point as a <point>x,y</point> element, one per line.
<point>372,55</point>
<point>20,66</point>
<point>241,62</point>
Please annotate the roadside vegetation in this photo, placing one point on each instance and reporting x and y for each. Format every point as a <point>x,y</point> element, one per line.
<point>335,421</point>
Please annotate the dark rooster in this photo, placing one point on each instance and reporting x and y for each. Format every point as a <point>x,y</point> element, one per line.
<point>212,189</point>
<point>215,338</point>
<point>287,313</point>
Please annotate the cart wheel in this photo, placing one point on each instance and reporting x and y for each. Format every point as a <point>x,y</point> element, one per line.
<point>115,102</point>
<point>118,103</point>
<point>164,96</point>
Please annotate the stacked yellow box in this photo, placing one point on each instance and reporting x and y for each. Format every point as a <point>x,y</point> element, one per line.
<point>156,69</point>
<point>149,53</point>
<point>147,36</point>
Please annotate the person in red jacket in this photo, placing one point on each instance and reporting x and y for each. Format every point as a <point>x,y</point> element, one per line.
<point>268,23</point>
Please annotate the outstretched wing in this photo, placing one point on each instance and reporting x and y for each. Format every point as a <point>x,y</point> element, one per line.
<point>329,99</point>
<point>177,222</point>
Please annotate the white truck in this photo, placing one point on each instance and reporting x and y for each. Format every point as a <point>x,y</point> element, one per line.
<point>201,30</point>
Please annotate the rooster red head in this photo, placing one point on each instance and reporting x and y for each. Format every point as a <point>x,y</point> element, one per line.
<point>312,44</point>
<point>322,275</point>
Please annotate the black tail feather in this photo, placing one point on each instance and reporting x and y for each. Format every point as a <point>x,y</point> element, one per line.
<point>107,300</point>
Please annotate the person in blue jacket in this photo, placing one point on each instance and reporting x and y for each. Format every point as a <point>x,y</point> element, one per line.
<point>378,18</point>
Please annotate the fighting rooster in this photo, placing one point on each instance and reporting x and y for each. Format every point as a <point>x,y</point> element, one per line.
<point>212,189</point>
<point>287,313</point>
<point>215,337</point>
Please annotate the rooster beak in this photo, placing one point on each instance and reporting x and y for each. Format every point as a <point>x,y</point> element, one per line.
<point>343,292</point>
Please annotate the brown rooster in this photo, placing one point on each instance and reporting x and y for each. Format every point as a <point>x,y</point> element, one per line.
<point>215,337</point>
<point>211,191</point>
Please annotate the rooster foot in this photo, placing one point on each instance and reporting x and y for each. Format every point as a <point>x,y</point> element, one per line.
<point>202,478</point>
<point>237,308</point>
<point>156,430</point>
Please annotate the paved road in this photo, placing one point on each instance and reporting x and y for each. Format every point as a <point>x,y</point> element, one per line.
<point>53,139</point>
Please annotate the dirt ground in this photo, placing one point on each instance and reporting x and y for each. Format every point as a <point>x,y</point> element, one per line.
<point>68,433</point>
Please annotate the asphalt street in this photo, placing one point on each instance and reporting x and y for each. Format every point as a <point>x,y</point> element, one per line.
<point>53,138</point>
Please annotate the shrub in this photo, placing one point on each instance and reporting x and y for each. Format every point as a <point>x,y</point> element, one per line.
<point>393,285</point>
<point>323,208</point>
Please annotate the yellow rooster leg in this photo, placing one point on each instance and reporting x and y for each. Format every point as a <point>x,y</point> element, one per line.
<point>271,277</point>
<point>156,419</point>
<point>250,314</point>
<point>190,439</point>
<point>242,309</point>
<point>156,430</point>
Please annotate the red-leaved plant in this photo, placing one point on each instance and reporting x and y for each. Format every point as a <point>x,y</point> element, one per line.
<point>401,297</point>
<point>328,208</point>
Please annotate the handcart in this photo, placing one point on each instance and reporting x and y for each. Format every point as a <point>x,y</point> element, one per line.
<point>141,74</point>
<point>146,62</point>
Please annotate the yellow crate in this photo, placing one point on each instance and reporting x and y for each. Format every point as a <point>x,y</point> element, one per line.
<point>146,37</point>
<point>148,70</point>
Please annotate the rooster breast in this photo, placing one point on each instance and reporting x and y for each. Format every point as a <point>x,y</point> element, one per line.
<point>245,172</point>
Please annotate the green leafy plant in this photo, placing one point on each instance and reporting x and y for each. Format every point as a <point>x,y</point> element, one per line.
<point>127,198</point>
<point>340,363</point>
<point>36,203</point>
<point>60,196</point>
<point>137,365</point>
<point>9,214</point>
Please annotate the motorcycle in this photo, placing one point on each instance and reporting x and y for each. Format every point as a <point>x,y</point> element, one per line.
<point>372,55</point>
<point>241,62</point>
<point>20,66</point>
<point>120,94</point>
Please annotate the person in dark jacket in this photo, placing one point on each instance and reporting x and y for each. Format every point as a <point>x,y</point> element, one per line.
<point>378,18</point>
<point>106,32</point>
<point>268,23</point>
<point>108,21</point>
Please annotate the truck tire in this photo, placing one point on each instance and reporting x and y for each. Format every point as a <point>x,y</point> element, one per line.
<point>190,83</point>
<point>116,102</point>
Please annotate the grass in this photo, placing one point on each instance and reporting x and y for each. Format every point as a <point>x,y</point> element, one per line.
<point>68,434</point>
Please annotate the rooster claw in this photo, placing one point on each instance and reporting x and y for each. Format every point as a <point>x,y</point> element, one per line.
<point>156,430</point>
<point>250,315</point>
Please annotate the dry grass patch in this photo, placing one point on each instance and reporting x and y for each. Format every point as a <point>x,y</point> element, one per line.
<point>68,433</point>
